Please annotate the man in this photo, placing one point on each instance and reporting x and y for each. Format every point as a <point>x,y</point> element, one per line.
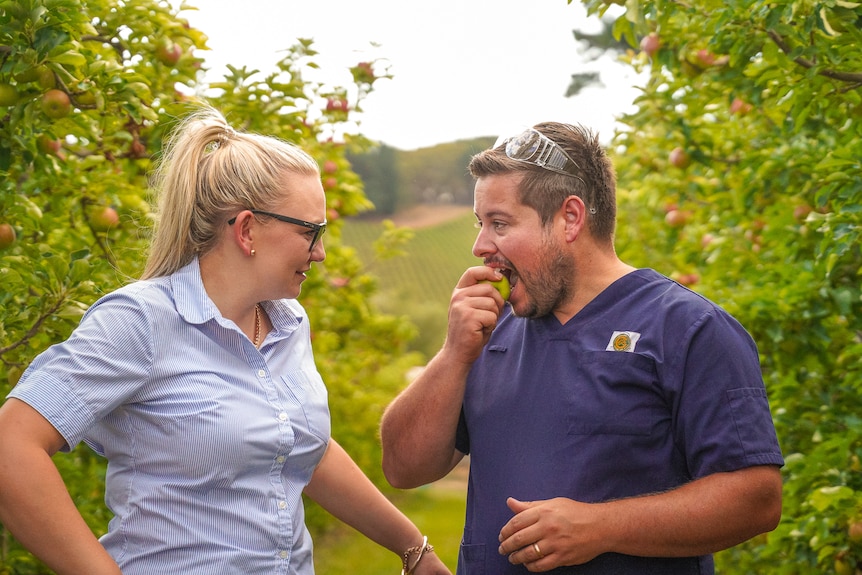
<point>617,423</point>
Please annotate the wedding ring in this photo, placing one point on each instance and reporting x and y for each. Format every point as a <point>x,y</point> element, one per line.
<point>537,550</point>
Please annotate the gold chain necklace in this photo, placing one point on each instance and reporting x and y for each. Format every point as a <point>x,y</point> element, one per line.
<point>256,325</point>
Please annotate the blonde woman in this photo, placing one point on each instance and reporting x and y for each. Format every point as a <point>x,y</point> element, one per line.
<point>198,385</point>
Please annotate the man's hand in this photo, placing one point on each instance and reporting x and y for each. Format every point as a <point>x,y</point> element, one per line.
<point>547,534</point>
<point>473,312</point>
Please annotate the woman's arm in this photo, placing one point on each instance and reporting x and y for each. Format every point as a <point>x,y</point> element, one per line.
<point>34,503</point>
<point>340,487</point>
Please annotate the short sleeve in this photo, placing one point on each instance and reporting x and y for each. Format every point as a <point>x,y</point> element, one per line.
<point>105,360</point>
<point>723,417</point>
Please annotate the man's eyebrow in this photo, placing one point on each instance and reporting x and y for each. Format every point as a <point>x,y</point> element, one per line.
<point>494,214</point>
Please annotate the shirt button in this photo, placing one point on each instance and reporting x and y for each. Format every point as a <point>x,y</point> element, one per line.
<point>282,504</point>
<point>279,459</point>
<point>282,416</point>
<point>282,554</point>
<point>261,373</point>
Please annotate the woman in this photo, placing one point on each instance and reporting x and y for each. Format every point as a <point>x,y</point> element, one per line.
<point>199,386</point>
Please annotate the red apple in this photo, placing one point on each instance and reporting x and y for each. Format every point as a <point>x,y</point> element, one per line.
<point>679,158</point>
<point>7,236</point>
<point>801,212</point>
<point>104,219</point>
<point>650,44</point>
<point>56,104</point>
<point>705,57</point>
<point>168,52</point>
<point>740,106</point>
<point>336,105</point>
<point>364,72</point>
<point>330,183</point>
<point>48,145</point>
<point>676,218</point>
<point>685,279</point>
<point>137,149</point>
<point>689,279</point>
<point>330,167</point>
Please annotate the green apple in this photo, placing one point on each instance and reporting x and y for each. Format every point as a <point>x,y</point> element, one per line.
<point>56,104</point>
<point>501,285</point>
<point>8,95</point>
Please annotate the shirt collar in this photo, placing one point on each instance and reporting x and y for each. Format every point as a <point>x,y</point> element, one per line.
<point>196,307</point>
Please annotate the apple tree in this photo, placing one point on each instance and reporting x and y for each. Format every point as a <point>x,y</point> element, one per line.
<point>88,89</point>
<point>740,175</point>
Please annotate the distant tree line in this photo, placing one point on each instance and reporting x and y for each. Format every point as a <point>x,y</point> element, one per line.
<point>397,179</point>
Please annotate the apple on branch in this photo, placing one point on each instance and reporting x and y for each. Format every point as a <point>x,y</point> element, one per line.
<point>740,107</point>
<point>7,235</point>
<point>104,219</point>
<point>168,52</point>
<point>336,105</point>
<point>677,218</point>
<point>56,104</point>
<point>650,44</point>
<point>8,95</point>
<point>679,158</point>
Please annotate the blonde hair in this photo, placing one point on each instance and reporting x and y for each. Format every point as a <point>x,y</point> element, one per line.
<point>207,174</point>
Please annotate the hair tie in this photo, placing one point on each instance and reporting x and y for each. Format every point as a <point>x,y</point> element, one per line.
<point>227,134</point>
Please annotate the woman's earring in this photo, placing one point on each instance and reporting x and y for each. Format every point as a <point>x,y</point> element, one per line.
<point>252,252</point>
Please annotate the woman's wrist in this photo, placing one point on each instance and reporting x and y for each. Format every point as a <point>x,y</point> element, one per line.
<point>408,563</point>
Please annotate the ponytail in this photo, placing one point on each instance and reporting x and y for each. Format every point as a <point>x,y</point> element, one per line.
<point>207,173</point>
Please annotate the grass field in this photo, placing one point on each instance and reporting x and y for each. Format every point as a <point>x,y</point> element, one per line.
<point>439,514</point>
<point>436,256</point>
<point>419,283</point>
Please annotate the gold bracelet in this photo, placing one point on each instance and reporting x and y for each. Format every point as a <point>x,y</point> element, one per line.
<point>406,569</point>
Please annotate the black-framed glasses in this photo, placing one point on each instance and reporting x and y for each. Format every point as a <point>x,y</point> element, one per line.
<point>535,148</point>
<point>318,229</point>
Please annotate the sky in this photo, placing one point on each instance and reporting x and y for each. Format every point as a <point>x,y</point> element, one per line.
<point>461,68</point>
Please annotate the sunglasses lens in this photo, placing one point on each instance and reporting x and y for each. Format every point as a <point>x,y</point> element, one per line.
<point>523,146</point>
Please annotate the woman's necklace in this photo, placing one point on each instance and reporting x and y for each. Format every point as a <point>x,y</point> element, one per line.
<point>256,340</point>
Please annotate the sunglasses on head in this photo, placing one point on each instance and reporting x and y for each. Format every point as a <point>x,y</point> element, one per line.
<point>535,148</point>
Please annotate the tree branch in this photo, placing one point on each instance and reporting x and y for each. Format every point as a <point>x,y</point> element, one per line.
<point>853,77</point>
<point>34,329</point>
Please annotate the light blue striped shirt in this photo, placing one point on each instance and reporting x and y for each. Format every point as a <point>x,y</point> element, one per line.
<point>209,440</point>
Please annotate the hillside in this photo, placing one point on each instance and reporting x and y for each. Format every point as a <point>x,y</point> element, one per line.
<point>419,283</point>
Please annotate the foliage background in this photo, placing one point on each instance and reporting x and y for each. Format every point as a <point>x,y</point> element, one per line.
<point>765,101</point>
<point>59,171</point>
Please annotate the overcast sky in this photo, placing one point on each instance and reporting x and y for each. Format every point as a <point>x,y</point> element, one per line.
<point>462,68</point>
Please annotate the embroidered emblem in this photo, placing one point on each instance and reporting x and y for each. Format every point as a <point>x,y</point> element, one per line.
<point>623,341</point>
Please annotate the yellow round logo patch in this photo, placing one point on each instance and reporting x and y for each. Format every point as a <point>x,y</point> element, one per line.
<point>622,342</point>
